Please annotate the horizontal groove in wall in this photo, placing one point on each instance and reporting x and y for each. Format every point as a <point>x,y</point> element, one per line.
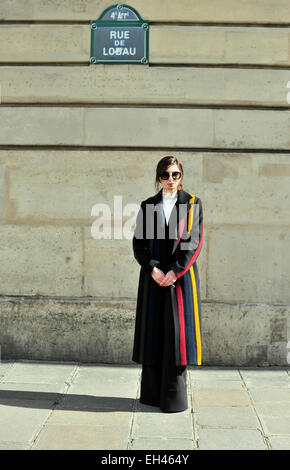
<point>143,149</point>
<point>62,299</point>
<point>47,64</point>
<point>147,106</point>
<point>154,22</point>
<point>227,66</point>
<point>113,300</point>
<point>221,23</point>
<point>156,64</point>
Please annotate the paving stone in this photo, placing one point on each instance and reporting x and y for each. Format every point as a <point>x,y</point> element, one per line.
<point>230,417</point>
<point>84,402</point>
<point>105,388</point>
<point>31,391</point>
<point>87,372</point>
<point>273,409</point>
<point>280,442</point>
<point>169,425</point>
<point>102,387</point>
<point>82,437</point>
<point>13,446</point>
<point>142,408</point>
<point>162,444</point>
<point>100,418</point>
<point>230,439</point>
<point>273,395</point>
<point>4,368</point>
<point>106,380</point>
<point>224,373</point>
<point>217,384</point>
<point>221,397</point>
<point>268,382</point>
<point>42,372</point>
<point>276,425</point>
<point>22,419</point>
<point>263,372</point>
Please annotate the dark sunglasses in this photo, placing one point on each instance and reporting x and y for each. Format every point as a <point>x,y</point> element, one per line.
<point>175,175</point>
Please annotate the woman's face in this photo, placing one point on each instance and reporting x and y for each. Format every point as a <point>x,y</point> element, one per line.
<point>170,185</point>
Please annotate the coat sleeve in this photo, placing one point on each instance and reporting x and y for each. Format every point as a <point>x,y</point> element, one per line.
<point>141,244</point>
<point>189,248</point>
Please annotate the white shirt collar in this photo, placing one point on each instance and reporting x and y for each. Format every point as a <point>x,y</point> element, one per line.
<point>169,195</point>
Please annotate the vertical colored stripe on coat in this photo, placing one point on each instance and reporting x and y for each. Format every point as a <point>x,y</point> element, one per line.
<point>181,228</point>
<point>190,215</point>
<point>182,340</point>
<point>196,318</point>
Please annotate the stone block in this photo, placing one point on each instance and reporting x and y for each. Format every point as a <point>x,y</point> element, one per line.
<point>48,330</point>
<point>145,127</point>
<point>246,262</point>
<point>175,44</point>
<point>40,126</point>
<point>41,260</point>
<point>274,11</point>
<point>129,84</point>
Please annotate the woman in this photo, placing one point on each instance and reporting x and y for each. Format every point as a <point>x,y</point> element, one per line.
<point>166,243</point>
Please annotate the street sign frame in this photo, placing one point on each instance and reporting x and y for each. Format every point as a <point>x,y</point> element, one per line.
<point>102,24</point>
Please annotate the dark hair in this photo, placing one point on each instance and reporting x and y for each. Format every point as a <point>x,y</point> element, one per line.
<point>162,166</point>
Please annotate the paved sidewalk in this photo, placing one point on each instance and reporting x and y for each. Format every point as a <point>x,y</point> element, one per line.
<point>64,405</point>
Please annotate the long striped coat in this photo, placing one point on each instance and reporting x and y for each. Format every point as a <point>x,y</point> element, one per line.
<point>175,246</point>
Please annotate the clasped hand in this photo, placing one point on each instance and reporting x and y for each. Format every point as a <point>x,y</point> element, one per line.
<point>162,279</point>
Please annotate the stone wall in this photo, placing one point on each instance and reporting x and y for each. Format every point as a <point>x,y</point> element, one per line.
<point>73,135</point>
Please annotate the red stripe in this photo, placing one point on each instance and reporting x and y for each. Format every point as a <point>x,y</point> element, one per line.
<point>194,256</point>
<point>181,227</point>
<point>182,343</point>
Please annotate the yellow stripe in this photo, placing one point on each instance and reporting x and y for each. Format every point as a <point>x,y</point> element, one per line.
<point>190,214</point>
<point>196,317</point>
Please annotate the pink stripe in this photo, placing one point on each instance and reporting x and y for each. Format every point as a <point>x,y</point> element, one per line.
<point>195,254</point>
<point>182,342</point>
<point>181,227</point>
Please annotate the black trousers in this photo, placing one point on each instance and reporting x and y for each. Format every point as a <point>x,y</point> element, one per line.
<point>164,385</point>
